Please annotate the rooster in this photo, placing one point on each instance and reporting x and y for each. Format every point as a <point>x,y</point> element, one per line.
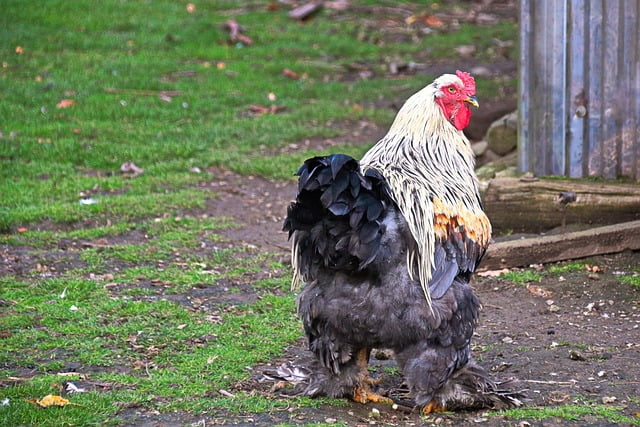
<point>385,248</point>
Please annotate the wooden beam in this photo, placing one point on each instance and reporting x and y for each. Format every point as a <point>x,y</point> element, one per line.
<point>560,247</point>
<point>536,206</point>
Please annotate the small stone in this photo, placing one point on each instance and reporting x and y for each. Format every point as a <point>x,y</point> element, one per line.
<point>479,148</point>
<point>330,420</point>
<point>502,135</point>
<point>554,308</point>
<point>609,399</point>
<point>507,340</point>
<point>480,71</point>
<point>602,373</point>
<point>466,50</point>
<point>375,413</point>
<point>574,355</point>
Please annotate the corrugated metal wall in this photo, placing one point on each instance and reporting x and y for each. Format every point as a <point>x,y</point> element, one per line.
<point>580,88</point>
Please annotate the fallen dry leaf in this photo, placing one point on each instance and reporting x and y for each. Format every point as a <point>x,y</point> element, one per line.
<point>290,74</point>
<point>410,20</point>
<point>130,170</point>
<point>235,32</point>
<point>261,109</point>
<point>592,268</point>
<point>65,103</point>
<point>52,400</point>
<point>539,291</point>
<point>432,21</point>
<point>492,273</point>
<point>19,50</point>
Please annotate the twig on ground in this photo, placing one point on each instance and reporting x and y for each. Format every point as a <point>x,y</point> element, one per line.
<point>552,382</point>
<point>143,92</point>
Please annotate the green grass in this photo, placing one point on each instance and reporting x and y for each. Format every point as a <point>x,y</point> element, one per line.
<point>128,290</point>
<point>521,276</point>
<point>633,280</point>
<point>577,412</point>
<point>51,156</point>
<point>568,267</point>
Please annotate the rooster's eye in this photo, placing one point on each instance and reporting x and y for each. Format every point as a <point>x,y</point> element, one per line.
<point>452,89</point>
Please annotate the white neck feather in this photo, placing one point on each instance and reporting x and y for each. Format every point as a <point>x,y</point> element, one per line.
<point>424,156</point>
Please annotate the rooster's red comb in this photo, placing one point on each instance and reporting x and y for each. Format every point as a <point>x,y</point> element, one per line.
<point>468,81</point>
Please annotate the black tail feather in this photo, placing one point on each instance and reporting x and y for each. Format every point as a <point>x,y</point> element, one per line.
<point>337,215</point>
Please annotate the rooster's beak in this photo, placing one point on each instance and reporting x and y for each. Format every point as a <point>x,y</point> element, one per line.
<point>472,100</point>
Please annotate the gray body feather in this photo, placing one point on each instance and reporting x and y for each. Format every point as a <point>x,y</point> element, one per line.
<point>382,307</point>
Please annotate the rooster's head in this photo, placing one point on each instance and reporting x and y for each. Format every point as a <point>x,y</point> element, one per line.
<point>454,94</point>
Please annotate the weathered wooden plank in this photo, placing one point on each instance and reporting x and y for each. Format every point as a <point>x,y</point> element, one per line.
<point>561,247</point>
<point>533,207</point>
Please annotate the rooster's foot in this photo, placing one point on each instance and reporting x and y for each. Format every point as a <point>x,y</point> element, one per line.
<point>363,394</point>
<point>432,408</point>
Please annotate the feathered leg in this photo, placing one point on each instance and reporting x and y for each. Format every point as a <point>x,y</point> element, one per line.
<point>362,392</point>
<point>444,379</point>
<point>426,368</point>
